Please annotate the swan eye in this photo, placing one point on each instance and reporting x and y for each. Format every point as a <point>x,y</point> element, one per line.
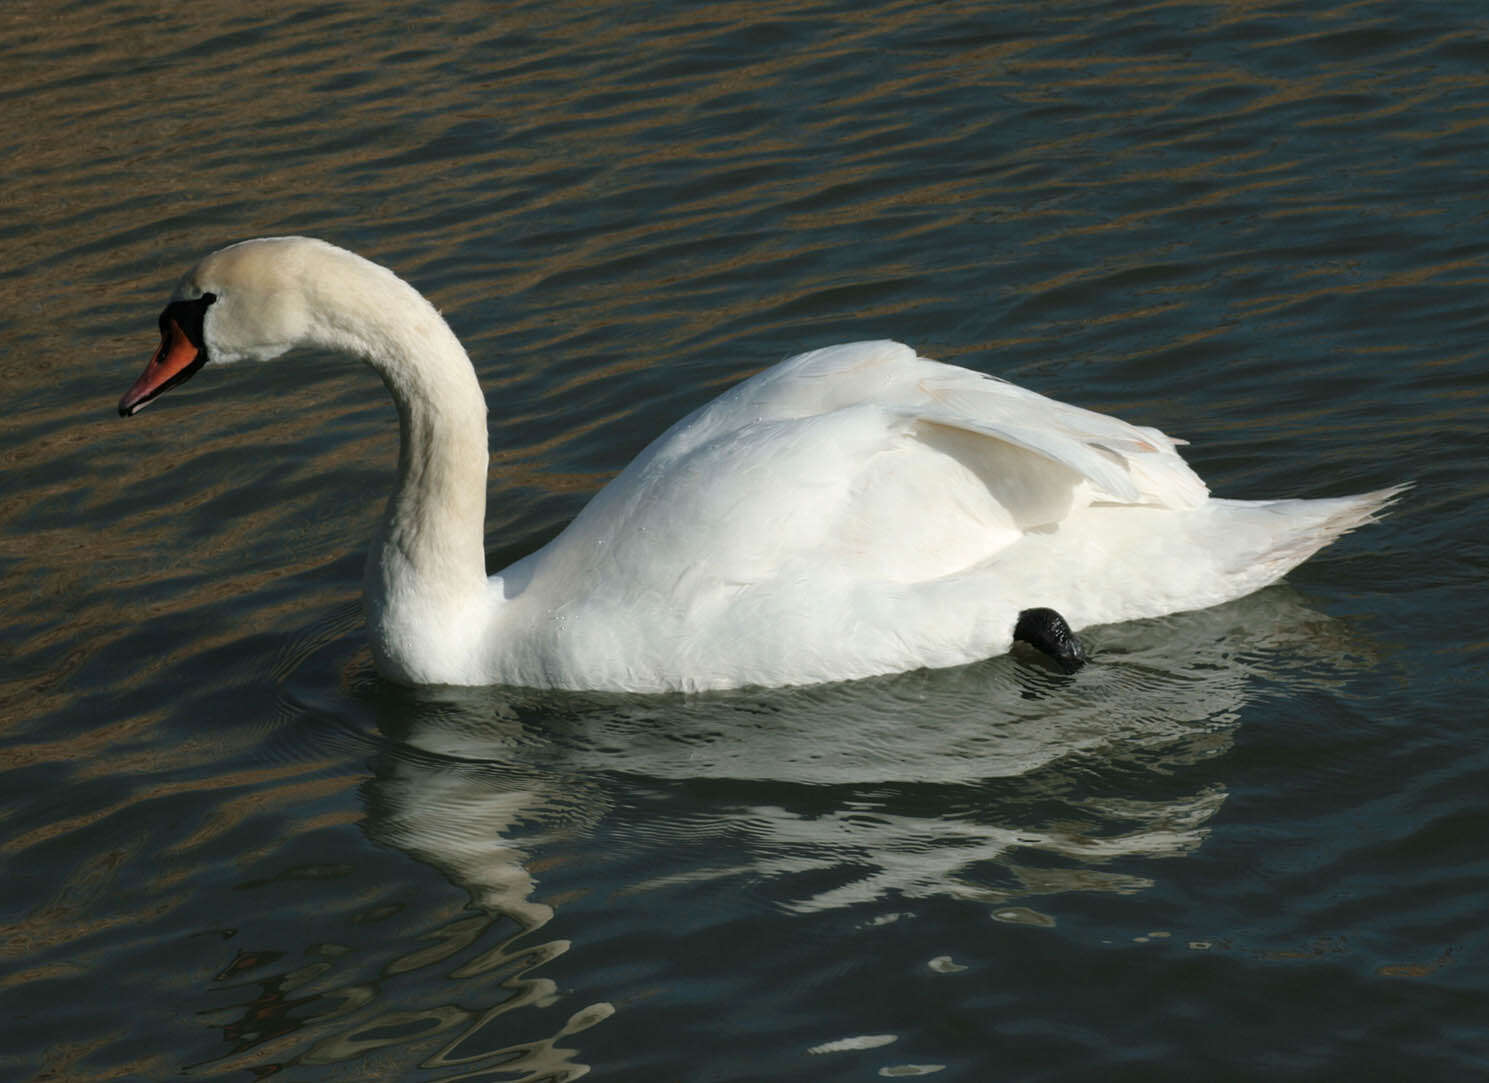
<point>182,351</point>
<point>188,317</point>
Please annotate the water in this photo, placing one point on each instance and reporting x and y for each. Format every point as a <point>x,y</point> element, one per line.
<point>1248,843</point>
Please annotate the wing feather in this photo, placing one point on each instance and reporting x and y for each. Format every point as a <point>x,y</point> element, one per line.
<point>1126,463</point>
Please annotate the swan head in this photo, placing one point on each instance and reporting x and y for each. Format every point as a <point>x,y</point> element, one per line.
<point>246,302</point>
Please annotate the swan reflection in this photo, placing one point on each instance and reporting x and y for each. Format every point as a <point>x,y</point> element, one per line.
<point>998,783</point>
<point>915,777</point>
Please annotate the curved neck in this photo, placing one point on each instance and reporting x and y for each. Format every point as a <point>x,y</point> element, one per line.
<point>426,572</point>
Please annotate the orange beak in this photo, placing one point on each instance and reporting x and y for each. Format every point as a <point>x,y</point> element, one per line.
<point>175,361</point>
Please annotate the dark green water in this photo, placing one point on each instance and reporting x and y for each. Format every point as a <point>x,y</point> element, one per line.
<point>1248,844</point>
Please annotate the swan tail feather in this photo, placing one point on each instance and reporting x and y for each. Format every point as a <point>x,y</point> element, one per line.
<point>1306,526</point>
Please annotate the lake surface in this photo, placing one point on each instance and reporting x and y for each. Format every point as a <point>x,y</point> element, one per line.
<point>1247,843</point>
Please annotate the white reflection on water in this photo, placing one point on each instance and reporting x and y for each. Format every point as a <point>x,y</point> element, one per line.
<point>996,783</point>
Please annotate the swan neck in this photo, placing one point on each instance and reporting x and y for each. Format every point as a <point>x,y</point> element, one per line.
<point>426,572</point>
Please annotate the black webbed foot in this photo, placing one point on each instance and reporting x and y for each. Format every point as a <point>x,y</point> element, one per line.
<point>1049,633</point>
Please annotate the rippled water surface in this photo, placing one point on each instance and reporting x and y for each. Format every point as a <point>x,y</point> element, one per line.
<point>1248,843</point>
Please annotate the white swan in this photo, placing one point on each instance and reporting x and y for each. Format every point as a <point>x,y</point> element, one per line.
<point>852,511</point>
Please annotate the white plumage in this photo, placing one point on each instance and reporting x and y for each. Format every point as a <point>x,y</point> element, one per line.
<point>851,511</point>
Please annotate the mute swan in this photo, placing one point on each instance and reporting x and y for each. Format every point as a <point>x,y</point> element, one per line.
<point>852,511</point>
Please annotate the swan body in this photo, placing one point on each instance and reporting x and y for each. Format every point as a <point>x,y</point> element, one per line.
<point>851,511</point>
